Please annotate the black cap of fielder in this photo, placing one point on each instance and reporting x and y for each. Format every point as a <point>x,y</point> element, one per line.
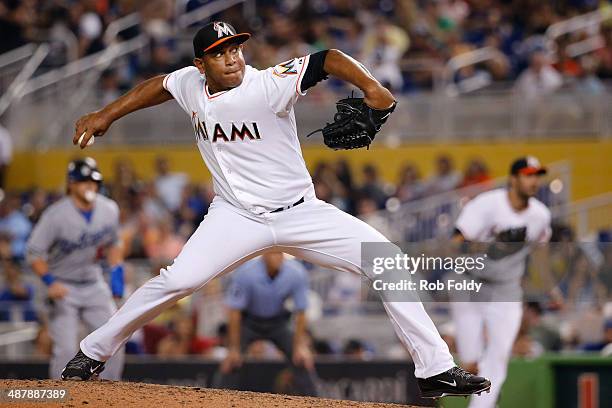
<point>214,34</point>
<point>527,165</point>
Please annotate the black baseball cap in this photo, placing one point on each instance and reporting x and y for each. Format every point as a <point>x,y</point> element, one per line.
<point>527,165</point>
<point>213,35</point>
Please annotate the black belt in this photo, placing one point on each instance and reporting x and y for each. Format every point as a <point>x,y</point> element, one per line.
<point>282,317</point>
<point>78,282</point>
<point>298,202</point>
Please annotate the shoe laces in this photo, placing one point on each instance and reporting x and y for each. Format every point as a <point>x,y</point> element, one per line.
<point>460,372</point>
<point>80,361</point>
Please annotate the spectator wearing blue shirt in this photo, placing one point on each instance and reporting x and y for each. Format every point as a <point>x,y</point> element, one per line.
<point>16,296</point>
<point>256,301</point>
<point>14,224</point>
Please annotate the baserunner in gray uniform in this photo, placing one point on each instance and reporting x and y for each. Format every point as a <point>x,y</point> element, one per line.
<point>65,250</point>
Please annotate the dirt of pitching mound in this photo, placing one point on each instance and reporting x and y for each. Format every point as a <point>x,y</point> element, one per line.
<point>125,394</point>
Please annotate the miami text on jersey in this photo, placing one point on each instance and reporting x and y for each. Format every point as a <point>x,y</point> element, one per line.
<point>198,127</point>
<point>242,132</point>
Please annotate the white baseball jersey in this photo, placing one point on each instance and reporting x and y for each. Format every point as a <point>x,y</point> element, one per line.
<point>490,213</point>
<point>481,220</point>
<point>248,139</point>
<point>247,135</point>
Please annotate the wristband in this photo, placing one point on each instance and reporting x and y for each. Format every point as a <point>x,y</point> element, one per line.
<point>116,280</point>
<point>48,279</point>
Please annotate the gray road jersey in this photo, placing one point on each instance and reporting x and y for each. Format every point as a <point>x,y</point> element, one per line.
<point>69,243</point>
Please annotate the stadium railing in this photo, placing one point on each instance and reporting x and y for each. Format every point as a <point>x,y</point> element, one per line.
<point>15,89</point>
<point>36,105</point>
<point>16,336</point>
<point>46,104</point>
<point>475,113</point>
<point>588,23</point>
<point>467,59</point>
<point>587,216</point>
<point>12,62</point>
<point>184,20</point>
<point>485,116</point>
<point>111,34</point>
<point>434,217</point>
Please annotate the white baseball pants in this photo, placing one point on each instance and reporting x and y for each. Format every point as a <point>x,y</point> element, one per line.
<point>228,236</point>
<point>485,334</point>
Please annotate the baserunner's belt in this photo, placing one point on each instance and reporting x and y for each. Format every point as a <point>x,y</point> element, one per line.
<point>78,282</point>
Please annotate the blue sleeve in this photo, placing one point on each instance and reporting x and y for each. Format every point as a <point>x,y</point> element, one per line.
<point>117,282</point>
<point>300,289</point>
<point>238,294</point>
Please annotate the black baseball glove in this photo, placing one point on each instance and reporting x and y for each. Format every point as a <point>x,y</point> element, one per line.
<point>507,242</point>
<point>518,234</point>
<point>355,124</point>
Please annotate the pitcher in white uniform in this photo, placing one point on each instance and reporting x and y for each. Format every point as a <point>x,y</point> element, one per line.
<point>245,129</point>
<point>485,331</point>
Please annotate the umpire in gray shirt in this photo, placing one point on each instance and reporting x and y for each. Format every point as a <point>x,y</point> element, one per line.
<point>256,302</point>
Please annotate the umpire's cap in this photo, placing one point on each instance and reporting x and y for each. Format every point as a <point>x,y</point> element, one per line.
<point>213,35</point>
<point>84,170</point>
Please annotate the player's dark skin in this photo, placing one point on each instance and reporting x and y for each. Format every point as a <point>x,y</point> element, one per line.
<point>224,69</point>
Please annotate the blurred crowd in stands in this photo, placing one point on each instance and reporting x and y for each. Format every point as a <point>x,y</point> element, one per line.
<point>399,41</point>
<point>157,216</point>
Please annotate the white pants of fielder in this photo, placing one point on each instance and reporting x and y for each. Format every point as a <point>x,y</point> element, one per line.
<point>228,236</point>
<point>485,334</point>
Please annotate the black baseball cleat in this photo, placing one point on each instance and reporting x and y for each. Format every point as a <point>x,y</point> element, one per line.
<point>82,368</point>
<point>455,381</point>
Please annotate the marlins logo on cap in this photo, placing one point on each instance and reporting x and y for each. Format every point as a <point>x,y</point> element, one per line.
<point>223,29</point>
<point>213,35</point>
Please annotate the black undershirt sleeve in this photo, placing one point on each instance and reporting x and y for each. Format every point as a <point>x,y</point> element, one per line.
<point>314,71</point>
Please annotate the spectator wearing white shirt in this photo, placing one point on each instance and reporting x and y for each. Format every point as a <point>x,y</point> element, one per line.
<point>384,46</point>
<point>532,87</point>
<point>169,186</point>
<point>90,27</point>
<point>539,79</point>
